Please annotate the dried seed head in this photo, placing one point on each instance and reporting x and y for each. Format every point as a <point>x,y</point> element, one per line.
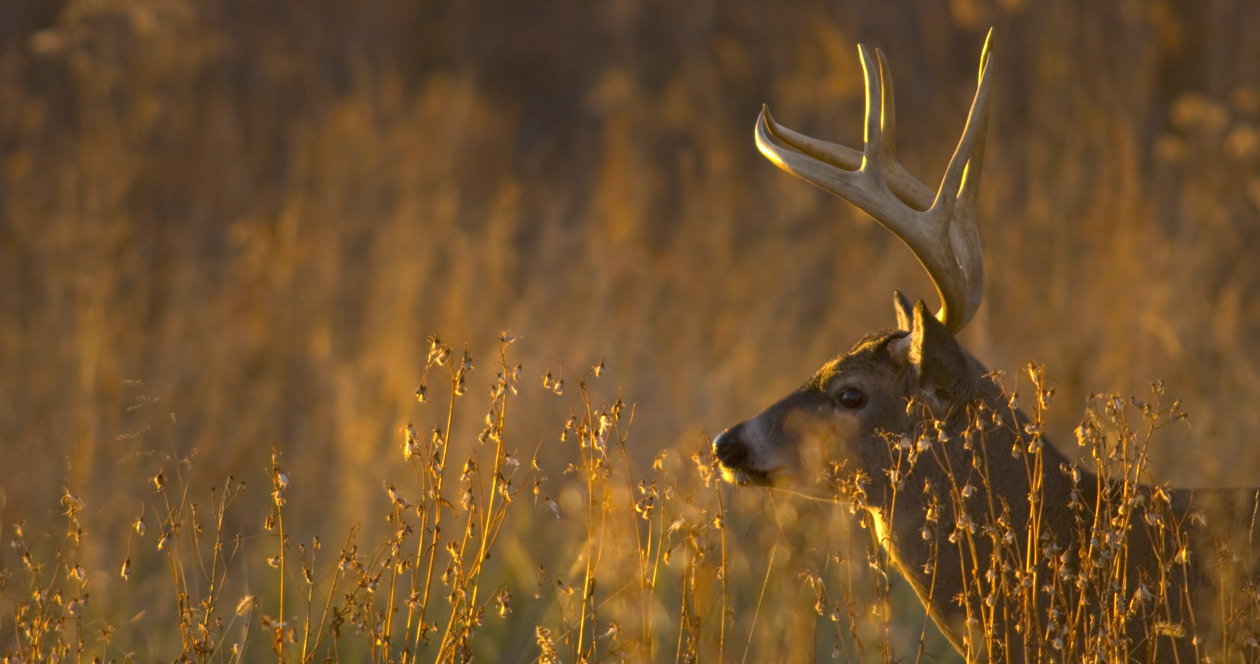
<point>411,442</point>
<point>546,645</point>
<point>504,598</point>
<point>438,351</point>
<point>611,633</point>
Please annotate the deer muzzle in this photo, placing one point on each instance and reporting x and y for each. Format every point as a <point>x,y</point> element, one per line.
<point>735,454</point>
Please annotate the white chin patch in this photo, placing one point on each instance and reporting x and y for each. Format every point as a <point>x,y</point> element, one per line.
<point>744,477</point>
<point>733,476</point>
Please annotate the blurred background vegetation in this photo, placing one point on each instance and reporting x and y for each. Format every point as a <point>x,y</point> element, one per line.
<point>227,225</point>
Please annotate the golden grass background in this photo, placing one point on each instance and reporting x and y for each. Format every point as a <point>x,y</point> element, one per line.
<point>230,225</point>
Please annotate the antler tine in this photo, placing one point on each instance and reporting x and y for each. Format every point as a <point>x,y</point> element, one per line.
<point>964,236</point>
<point>905,186</point>
<point>940,228</point>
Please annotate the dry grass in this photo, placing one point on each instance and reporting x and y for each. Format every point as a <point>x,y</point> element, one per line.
<point>634,566</point>
<point>628,564</point>
<point>227,228</point>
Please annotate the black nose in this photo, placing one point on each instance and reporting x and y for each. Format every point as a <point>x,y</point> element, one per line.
<point>729,449</point>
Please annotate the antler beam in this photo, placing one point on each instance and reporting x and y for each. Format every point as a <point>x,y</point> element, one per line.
<point>940,228</point>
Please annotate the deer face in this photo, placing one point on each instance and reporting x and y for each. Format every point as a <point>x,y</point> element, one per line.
<point>850,409</point>
<point>837,414</point>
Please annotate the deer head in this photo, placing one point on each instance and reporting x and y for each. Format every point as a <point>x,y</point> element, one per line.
<point>850,406</point>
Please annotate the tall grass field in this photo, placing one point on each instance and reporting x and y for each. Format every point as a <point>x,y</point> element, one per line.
<point>399,332</point>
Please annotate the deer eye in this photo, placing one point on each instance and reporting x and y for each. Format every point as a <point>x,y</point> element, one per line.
<point>851,398</point>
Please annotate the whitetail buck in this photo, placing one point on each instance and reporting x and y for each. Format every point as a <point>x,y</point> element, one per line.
<point>1017,552</point>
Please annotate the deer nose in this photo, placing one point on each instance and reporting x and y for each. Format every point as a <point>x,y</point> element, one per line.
<point>729,449</point>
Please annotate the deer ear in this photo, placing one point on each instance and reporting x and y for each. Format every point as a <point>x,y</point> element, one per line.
<point>940,362</point>
<point>905,312</point>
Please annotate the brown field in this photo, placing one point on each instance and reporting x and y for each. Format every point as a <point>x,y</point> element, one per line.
<point>230,231</point>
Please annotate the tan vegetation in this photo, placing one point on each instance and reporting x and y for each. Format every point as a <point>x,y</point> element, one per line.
<point>231,228</point>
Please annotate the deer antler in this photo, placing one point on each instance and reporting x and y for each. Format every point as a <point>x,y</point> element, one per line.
<point>940,228</point>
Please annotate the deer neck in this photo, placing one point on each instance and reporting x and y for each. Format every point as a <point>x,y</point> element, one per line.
<point>932,525</point>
